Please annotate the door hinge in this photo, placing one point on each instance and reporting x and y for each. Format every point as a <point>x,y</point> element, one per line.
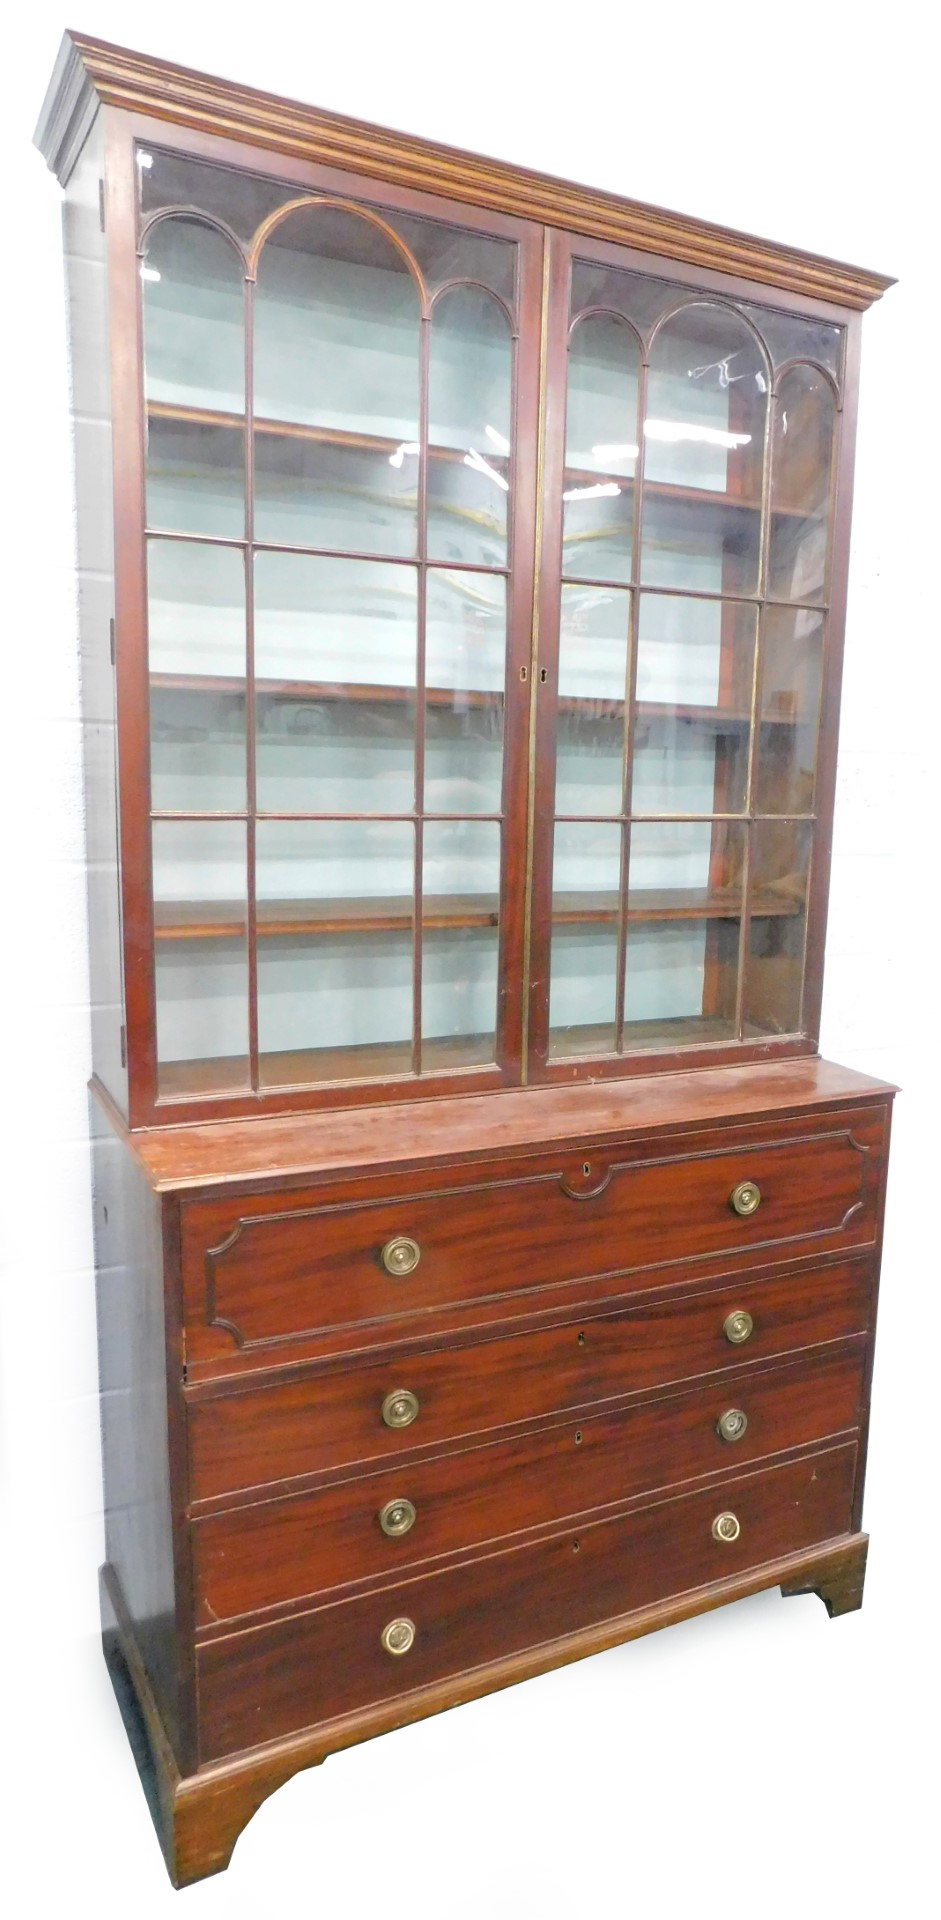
<point>124,1046</point>
<point>101,204</point>
<point>111,637</point>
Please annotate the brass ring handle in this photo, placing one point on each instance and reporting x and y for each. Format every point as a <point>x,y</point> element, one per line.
<point>738,1327</point>
<point>400,1255</point>
<point>397,1517</point>
<point>400,1407</point>
<point>398,1636</point>
<point>732,1424</point>
<point>726,1527</point>
<point>745,1199</point>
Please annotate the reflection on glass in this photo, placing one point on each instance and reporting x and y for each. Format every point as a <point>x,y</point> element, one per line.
<point>791,677</point>
<point>196,642</point>
<point>584,953</point>
<point>601,449</point>
<point>465,668</point>
<point>457,253</point>
<point>469,428</point>
<point>684,913</point>
<point>704,433</point>
<point>200,928</point>
<point>775,961</point>
<point>335,908</point>
<point>460,939</point>
<point>594,639</point>
<point>336,353</point>
<point>193,300</point>
<point>335,660</point>
<point>802,455</point>
<point>242,200</point>
<point>695,664</point>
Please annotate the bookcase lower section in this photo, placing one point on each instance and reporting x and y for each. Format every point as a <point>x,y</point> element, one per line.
<point>199,1816</point>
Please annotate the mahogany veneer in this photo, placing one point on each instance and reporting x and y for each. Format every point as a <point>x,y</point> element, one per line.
<point>621,1374</point>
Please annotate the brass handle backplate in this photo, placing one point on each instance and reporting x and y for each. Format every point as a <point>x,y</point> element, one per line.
<point>726,1527</point>
<point>400,1255</point>
<point>745,1199</point>
<point>400,1407</point>
<point>738,1327</point>
<point>398,1636</point>
<point>732,1424</point>
<point>397,1517</point>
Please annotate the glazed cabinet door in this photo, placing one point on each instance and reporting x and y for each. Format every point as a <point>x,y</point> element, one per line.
<point>688,508</point>
<point>339,423</point>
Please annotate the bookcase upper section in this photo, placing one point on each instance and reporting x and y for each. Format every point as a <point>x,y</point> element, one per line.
<point>477,548</point>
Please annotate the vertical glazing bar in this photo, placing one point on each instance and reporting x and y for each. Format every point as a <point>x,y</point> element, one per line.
<point>250,780</point>
<point>744,932</point>
<point>630,705</point>
<point>424,354</point>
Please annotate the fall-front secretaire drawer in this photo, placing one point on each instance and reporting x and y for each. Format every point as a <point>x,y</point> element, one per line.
<point>354,1653</point>
<point>279,1551</point>
<point>342,1272</point>
<point>385,1408</point>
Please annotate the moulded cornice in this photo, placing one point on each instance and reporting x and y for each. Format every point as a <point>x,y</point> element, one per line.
<point>88,71</point>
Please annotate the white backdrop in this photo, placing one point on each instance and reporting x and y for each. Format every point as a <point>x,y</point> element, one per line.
<point>758,1757</point>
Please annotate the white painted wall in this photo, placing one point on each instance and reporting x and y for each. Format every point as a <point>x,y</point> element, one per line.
<point>757,1758</point>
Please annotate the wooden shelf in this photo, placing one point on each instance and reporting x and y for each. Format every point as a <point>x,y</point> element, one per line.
<point>164,411</point>
<point>593,706</point>
<point>278,919</point>
<point>306,1066</point>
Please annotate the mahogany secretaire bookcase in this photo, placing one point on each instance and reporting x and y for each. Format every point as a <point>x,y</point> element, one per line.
<point>487,1259</point>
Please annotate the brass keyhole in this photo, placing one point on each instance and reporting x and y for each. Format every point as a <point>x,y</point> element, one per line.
<point>581,1339</point>
<point>578,1436</point>
<point>586,1168</point>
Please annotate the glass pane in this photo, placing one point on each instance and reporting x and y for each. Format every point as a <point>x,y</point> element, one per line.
<point>195,477</point>
<point>469,427</point>
<point>336,350</point>
<point>601,449</point>
<point>335,659</point>
<point>243,200</point>
<point>594,640</point>
<point>775,963</point>
<point>684,913</point>
<point>789,336</point>
<point>335,914</point>
<point>457,253</point>
<point>460,938</point>
<point>704,435</point>
<point>200,927</point>
<point>639,297</point>
<point>584,956</point>
<point>802,456</point>
<point>194,329</point>
<point>196,629</point>
<point>791,677</point>
<point>465,667</point>
<point>695,666</point>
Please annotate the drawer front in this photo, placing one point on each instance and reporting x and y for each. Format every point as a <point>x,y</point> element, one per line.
<point>280,1551</point>
<point>316,1666</point>
<point>256,1276</point>
<point>247,1439</point>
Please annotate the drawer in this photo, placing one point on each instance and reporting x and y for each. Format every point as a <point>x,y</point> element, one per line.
<point>341,1273</point>
<point>241,1440</point>
<point>280,1551</point>
<point>275,1680</point>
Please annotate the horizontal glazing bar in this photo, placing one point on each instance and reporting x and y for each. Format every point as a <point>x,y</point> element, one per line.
<point>264,813</point>
<point>326,553</point>
<point>694,593</point>
<point>674,819</point>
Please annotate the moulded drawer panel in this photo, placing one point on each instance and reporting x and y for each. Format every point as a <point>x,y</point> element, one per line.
<point>257,1275</point>
<point>312,1667</point>
<point>279,1551</point>
<point>252,1437</point>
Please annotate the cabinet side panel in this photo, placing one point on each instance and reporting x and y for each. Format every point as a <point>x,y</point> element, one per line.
<point>87,303</point>
<point>133,1381</point>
